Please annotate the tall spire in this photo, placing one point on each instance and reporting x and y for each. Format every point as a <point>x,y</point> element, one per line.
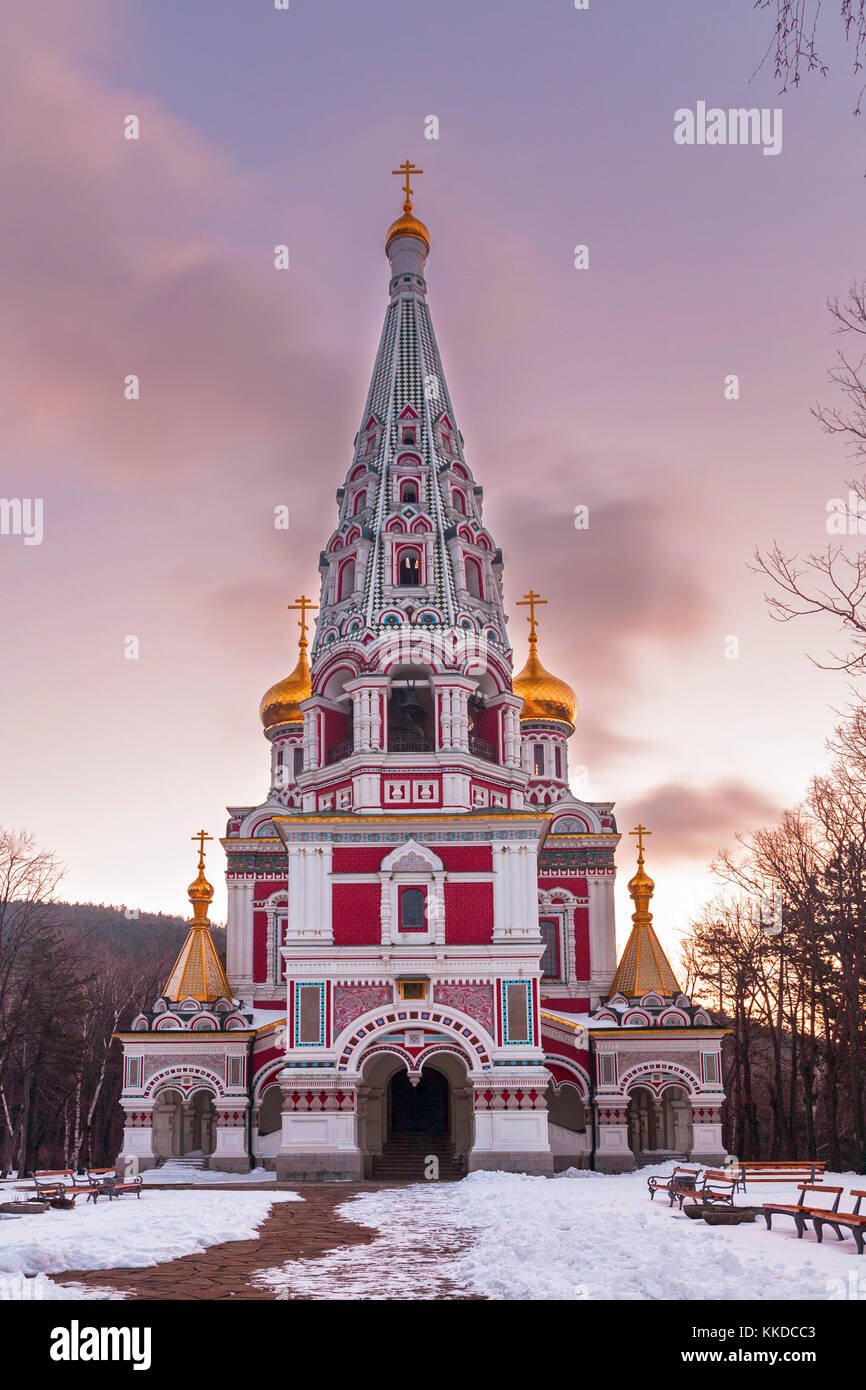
<point>410,552</point>
<point>643,967</point>
<point>198,972</point>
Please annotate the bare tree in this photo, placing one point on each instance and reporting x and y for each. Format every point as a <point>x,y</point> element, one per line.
<point>793,46</point>
<point>796,997</point>
<point>833,582</point>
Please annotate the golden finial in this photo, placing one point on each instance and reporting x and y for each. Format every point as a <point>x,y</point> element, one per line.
<point>407,168</point>
<point>302,603</point>
<point>200,891</point>
<point>544,696</point>
<point>640,831</point>
<point>201,836</point>
<point>532,600</point>
<point>641,885</point>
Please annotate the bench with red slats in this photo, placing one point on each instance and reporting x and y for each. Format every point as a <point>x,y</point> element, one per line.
<point>682,1180</point>
<point>786,1170</point>
<point>851,1220</point>
<point>800,1212</point>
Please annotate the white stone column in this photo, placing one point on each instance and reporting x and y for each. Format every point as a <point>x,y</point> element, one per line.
<point>311,738</point>
<point>612,1151</point>
<point>500,889</point>
<point>239,936</point>
<point>230,1150</point>
<point>602,932</point>
<point>136,1153</point>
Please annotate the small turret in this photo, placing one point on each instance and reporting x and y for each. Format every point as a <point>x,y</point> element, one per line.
<point>643,968</point>
<point>198,973</point>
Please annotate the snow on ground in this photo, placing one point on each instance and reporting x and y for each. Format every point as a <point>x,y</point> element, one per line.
<point>176,1172</point>
<point>130,1231</point>
<point>582,1235</point>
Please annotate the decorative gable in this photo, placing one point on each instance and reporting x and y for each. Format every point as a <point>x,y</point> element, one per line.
<point>412,858</point>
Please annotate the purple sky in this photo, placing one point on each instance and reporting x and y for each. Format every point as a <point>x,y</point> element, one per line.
<point>601,387</point>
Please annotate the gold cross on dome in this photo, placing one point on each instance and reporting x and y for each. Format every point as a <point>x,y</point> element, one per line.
<point>302,603</point>
<point>531,601</point>
<point>640,831</point>
<point>201,837</point>
<point>407,168</point>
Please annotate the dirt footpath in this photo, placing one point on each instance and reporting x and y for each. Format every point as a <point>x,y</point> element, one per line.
<point>293,1231</point>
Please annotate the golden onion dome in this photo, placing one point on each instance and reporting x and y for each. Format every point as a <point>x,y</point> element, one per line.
<point>200,891</point>
<point>641,885</point>
<point>407,225</point>
<point>281,704</point>
<point>544,696</point>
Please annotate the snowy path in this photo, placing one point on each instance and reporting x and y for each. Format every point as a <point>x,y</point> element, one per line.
<point>506,1236</point>
<point>130,1231</point>
<point>414,1256</point>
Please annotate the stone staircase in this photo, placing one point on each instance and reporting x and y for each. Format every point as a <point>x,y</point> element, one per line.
<point>403,1159</point>
<point>200,1161</point>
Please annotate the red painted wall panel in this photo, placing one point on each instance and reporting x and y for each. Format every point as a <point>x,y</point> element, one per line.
<point>581,942</point>
<point>359,859</point>
<point>465,859</point>
<point>577,886</point>
<point>468,912</point>
<point>558,1005</point>
<point>355,911</point>
<point>362,859</point>
<point>264,887</point>
<point>260,947</point>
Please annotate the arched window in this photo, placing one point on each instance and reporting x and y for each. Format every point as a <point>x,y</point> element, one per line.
<point>538,759</point>
<point>557,754</point>
<point>458,501</point>
<point>412,909</point>
<point>409,572</point>
<point>360,501</point>
<point>473,578</point>
<point>550,957</point>
<point>347,580</point>
<point>409,491</point>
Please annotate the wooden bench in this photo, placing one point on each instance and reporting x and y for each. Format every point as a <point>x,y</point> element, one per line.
<point>106,1180</point>
<point>851,1220</point>
<point>671,1183</point>
<point>800,1212</point>
<point>63,1183</point>
<point>93,1183</point>
<point>51,1182</point>
<point>798,1171</point>
<point>717,1188</point>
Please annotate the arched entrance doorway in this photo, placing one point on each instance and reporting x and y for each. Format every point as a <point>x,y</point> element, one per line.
<point>402,1127</point>
<point>418,1106</point>
<point>184,1128</point>
<point>267,1144</point>
<point>660,1124</point>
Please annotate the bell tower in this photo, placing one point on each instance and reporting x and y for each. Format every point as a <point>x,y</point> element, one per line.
<point>411,699</point>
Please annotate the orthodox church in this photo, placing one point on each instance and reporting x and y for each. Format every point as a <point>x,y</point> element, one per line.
<point>421,950</point>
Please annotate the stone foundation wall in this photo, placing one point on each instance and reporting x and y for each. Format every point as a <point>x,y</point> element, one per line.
<point>540,1164</point>
<point>319,1167</point>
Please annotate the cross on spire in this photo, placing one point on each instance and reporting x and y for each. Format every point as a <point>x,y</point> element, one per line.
<point>532,600</point>
<point>407,168</point>
<point>303,603</point>
<point>201,836</point>
<point>640,831</point>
